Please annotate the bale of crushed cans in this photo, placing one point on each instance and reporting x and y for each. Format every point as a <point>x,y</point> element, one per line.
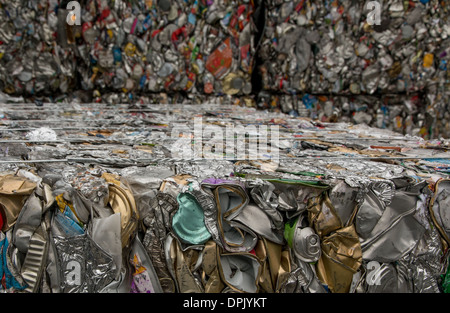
<point>136,47</point>
<point>334,46</point>
<point>240,52</point>
<point>98,200</point>
<point>330,49</point>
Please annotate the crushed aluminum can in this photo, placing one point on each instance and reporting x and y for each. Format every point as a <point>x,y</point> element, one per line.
<point>304,241</point>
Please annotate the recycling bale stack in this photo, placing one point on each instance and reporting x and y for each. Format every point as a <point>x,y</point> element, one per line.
<point>95,198</point>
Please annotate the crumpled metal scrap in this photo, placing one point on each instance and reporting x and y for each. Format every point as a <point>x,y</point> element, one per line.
<point>344,208</point>
<point>425,246</point>
<point>340,51</point>
<point>269,54</point>
<point>122,50</point>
